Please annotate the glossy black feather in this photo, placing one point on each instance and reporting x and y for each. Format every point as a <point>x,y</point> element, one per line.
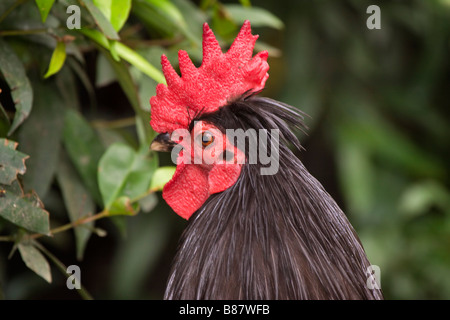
<point>269,236</point>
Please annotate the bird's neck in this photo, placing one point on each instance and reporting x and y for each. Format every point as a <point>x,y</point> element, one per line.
<point>270,237</point>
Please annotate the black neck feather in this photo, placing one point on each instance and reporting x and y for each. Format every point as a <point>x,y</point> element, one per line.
<point>276,236</point>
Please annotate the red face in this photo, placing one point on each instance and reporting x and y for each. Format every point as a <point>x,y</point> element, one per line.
<point>207,163</point>
<point>221,78</point>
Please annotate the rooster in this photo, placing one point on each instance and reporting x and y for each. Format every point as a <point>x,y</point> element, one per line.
<point>250,234</point>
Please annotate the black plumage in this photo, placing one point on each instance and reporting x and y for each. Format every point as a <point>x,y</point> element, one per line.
<point>276,236</point>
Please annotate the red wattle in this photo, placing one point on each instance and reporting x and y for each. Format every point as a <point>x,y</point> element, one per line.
<point>192,184</point>
<point>187,190</point>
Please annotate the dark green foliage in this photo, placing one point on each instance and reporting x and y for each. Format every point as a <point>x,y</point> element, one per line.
<point>74,133</point>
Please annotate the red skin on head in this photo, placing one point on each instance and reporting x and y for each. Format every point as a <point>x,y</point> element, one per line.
<point>221,78</point>
<point>202,171</point>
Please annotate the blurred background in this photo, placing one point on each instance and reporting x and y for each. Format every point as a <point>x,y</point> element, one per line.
<point>378,138</point>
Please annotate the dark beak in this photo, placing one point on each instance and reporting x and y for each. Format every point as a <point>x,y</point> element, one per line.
<point>162,143</point>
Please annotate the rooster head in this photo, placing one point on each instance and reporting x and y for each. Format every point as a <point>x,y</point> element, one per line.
<point>207,161</point>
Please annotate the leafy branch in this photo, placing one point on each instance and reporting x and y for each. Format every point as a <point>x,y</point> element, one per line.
<point>128,204</point>
<point>10,9</point>
<point>48,147</point>
<point>63,269</point>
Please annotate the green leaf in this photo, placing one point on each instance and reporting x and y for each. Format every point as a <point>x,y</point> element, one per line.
<point>21,91</point>
<point>423,196</point>
<point>123,206</point>
<point>146,85</point>
<point>34,260</point>
<point>161,176</point>
<point>153,20</point>
<point>4,121</point>
<point>356,176</point>
<point>116,11</point>
<point>141,132</point>
<point>165,17</point>
<point>81,73</point>
<point>130,90</point>
<point>113,49</point>
<point>108,136</point>
<point>97,36</point>
<point>44,7</point>
<point>245,3</point>
<point>146,89</point>
<point>274,52</point>
<point>85,150</point>
<point>23,210</point>
<point>258,17</point>
<point>139,62</point>
<point>67,87</point>
<point>102,22</point>
<point>40,137</point>
<point>193,17</point>
<point>105,7</point>
<point>222,22</point>
<point>137,257</point>
<point>57,60</point>
<point>105,74</point>
<point>125,81</point>
<point>127,54</point>
<point>394,147</point>
<point>79,202</point>
<point>103,41</point>
<point>114,167</point>
<point>12,162</point>
<point>124,172</point>
<point>124,78</point>
<point>169,10</point>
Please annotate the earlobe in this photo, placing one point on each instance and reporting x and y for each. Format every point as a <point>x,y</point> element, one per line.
<point>193,182</point>
<point>192,185</point>
<point>223,176</point>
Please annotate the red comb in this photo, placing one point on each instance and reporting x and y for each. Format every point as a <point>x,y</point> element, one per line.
<point>221,78</point>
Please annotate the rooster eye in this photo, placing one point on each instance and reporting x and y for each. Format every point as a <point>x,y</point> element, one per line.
<point>207,138</point>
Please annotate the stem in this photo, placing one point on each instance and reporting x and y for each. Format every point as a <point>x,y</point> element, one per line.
<point>142,196</point>
<point>61,267</point>
<point>22,32</point>
<point>76,223</point>
<point>121,123</point>
<point>8,11</point>
<point>62,228</point>
<point>150,43</point>
<point>73,224</point>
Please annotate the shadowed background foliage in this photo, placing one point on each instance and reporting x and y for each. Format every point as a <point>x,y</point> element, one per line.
<point>76,102</point>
